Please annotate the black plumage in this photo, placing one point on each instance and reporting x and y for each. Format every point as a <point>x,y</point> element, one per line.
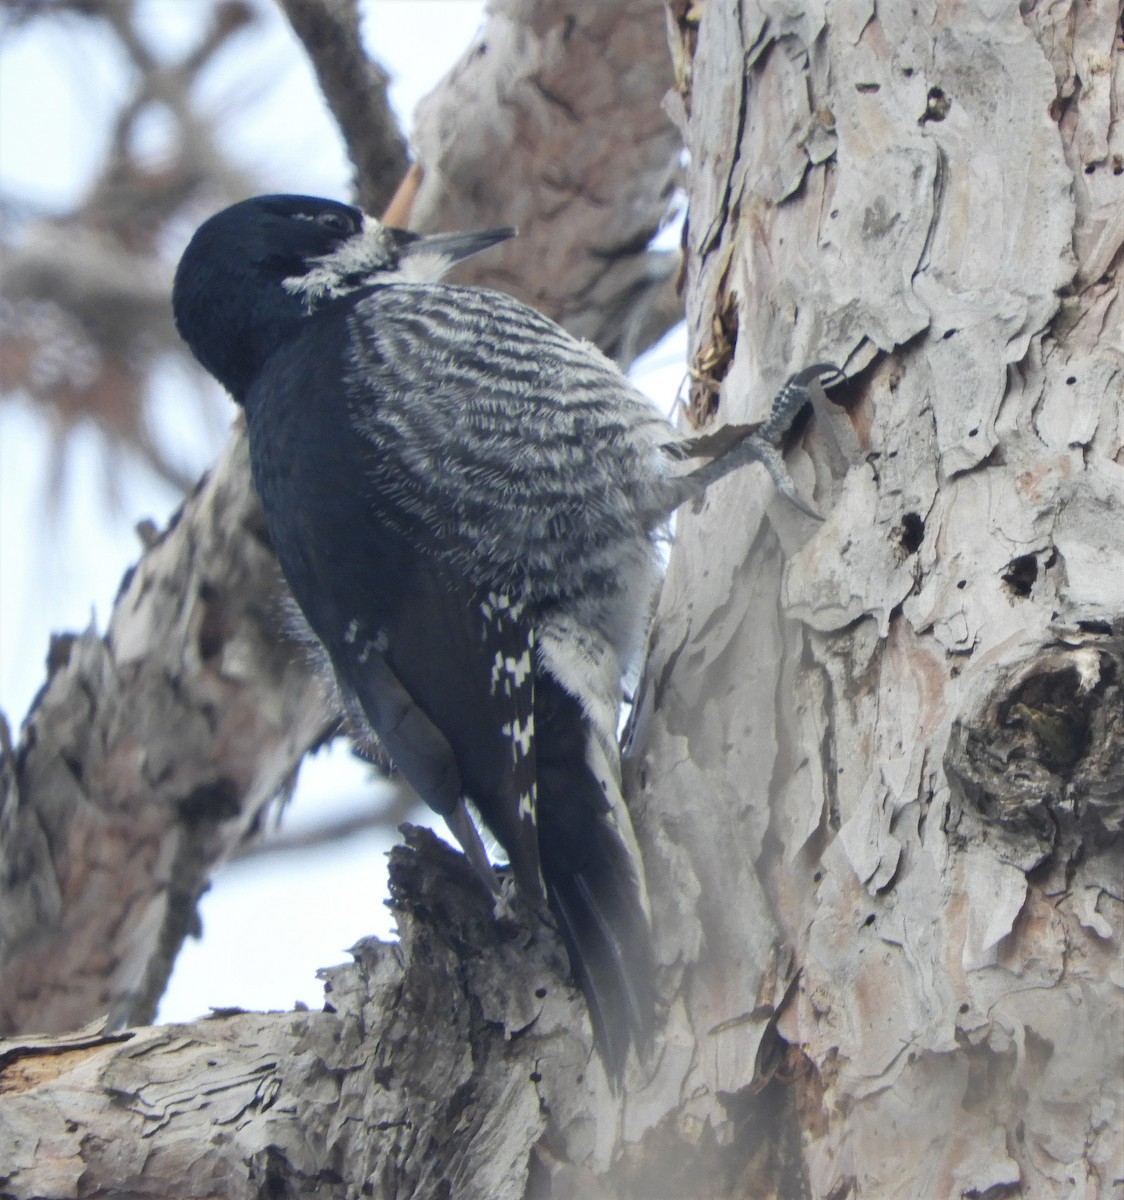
<point>462,498</point>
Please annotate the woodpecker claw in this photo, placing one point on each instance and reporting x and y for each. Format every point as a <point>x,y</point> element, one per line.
<point>767,454</point>
<point>788,403</point>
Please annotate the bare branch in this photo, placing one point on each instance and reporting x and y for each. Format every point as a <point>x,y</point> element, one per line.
<point>355,89</point>
<point>149,755</point>
<point>387,810</point>
<point>85,315</point>
<point>424,1064</point>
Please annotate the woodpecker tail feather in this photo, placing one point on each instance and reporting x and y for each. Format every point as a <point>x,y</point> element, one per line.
<point>592,881</point>
<point>607,939</point>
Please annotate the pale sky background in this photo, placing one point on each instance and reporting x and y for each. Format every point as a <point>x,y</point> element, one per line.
<point>268,924</point>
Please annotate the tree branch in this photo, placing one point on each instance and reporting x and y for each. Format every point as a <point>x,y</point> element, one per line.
<point>424,1065</point>
<point>355,90</point>
<point>589,159</point>
<point>146,759</point>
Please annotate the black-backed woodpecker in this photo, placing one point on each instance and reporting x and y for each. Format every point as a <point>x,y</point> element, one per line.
<point>464,500</point>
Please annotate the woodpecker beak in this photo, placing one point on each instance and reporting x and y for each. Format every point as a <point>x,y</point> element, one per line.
<point>452,247</point>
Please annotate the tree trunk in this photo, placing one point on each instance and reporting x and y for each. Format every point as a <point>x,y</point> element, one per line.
<point>874,763</point>
<point>879,762</point>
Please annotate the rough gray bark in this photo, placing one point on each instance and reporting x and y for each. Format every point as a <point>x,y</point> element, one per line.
<point>150,753</point>
<point>886,751</point>
<point>875,763</point>
<point>341,1103</point>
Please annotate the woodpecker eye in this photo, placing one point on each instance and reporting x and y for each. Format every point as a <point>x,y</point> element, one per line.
<point>337,222</point>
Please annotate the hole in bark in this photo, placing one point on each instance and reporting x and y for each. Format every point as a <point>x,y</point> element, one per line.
<point>1021,575</point>
<point>866,88</point>
<point>1090,168</point>
<point>937,106</point>
<point>973,432</point>
<point>1053,710</point>
<point>540,993</point>
<point>712,362</point>
<point>870,920</point>
<point>1040,756</point>
<point>962,584</point>
<point>912,533</point>
<point>1071,380</point>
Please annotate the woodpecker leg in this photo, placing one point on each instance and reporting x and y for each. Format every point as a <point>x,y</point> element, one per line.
<point>464,830</point>
<point>502,888</point>
<point>790,401</point>
<point>760,444</point>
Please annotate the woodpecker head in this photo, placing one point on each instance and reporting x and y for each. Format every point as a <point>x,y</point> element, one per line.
<point>253,272</point>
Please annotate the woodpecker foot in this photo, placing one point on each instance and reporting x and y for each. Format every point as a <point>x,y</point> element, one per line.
<point>767,454</point>
<point>765,444</point>
<point>504,906</point>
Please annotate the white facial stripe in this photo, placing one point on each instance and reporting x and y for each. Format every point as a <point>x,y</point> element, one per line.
<point>346,268</point>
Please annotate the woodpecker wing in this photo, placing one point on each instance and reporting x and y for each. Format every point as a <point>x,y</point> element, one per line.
<point>464,657</point>
<point>439,667</point>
